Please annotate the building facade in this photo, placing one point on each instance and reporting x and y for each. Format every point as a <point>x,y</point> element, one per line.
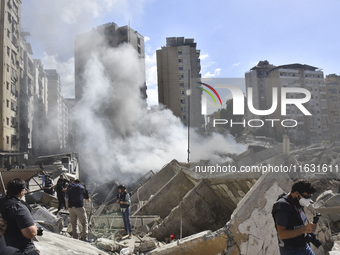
<point>55,112</point>
<point>107,35</point>
<point>26,98</point>
<point>9,80</point>
<point>333,98</point>
<point>178,71</point>
<point>309,129</point>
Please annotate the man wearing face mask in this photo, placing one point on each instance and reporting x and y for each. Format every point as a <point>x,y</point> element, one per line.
<point>291,221</point>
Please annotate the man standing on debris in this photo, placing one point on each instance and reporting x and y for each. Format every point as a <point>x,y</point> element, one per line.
<point>61,189</point>
<point>290,219</point>
<point>48,185</point>
<point>20,224</point>
<point>123,198</point>
<point>75,195</point>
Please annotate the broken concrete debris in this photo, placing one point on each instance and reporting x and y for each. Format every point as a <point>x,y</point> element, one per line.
<point>181,211</point>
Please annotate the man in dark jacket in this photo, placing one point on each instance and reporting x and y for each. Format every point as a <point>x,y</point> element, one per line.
<point>20,224</point>
<point>75,195</point>
<point>123,198</point>
<point>291,221</point>
<point>61,189</point>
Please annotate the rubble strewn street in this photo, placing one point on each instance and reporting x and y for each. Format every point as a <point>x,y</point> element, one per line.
<point>225,213</point>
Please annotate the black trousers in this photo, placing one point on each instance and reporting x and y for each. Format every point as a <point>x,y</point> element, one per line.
<point>61,199</point>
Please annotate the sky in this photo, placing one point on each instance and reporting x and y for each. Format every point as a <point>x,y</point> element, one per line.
<point>233,35</point>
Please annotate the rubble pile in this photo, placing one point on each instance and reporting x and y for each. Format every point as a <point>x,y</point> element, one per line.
<point>222,213</point>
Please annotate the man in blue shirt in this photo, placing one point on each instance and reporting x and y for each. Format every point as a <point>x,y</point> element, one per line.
<point>75,195</point>
<point>20,224</point>
<point>123,198</point>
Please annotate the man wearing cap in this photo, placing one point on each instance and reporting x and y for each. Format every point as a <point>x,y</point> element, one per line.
<point>123,198</point>
<point>290,219</point>
<point>75,195</point>
<point>48,185</point>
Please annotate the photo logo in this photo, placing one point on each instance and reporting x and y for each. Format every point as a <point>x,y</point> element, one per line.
<point>212,89</point>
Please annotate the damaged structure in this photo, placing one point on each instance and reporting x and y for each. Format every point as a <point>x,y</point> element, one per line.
<point>180,210</point>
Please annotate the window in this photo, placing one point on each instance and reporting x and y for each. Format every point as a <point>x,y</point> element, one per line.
<point>13,89</point>
<point>182,101</point>
<point>181,76</point>
<point>182,92</point>
<point>14,140</point>
<point>7,121</point>
<point>13,106</point>
<point>183,117</point>
<point>183,109</point>
<point>7,139</point>
<point>181,84</point>
<point>8,33</point>
<point>8,51</point>
<point>7,103</point>
<point>179,52</point>
<point>139,50</point>
<point>180,60</point>
<point>7,85</point>
<point>181,68</point>
<point>138,40</point>
<point>13,122</point>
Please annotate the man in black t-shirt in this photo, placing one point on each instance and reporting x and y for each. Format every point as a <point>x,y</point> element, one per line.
<point>290,220</point>
<point>20,224</point>
<point>61,189</point>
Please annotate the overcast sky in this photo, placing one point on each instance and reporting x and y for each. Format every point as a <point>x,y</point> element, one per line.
<point>233,35</point>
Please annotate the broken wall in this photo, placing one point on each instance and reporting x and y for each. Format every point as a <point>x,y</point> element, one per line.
<point>208,205</point>
<point>251,229</point>
<point>168,197</point>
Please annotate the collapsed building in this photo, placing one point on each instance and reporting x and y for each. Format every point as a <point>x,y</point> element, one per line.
<point>205,212</point>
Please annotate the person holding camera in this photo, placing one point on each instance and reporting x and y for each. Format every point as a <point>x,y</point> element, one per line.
<point>293,230</point>
<point>21,227</point>
<point>123,198</point>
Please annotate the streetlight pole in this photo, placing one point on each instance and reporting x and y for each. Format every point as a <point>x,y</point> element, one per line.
<point>188,122</point>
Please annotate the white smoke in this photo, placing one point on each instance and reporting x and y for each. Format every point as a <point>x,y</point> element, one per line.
<point>119,136</point>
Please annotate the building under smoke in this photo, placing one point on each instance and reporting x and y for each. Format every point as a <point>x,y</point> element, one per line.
<point>178,71</point>
<point>109,35</point>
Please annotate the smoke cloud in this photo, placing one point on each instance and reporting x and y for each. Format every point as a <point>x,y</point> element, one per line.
<point>119,136</point>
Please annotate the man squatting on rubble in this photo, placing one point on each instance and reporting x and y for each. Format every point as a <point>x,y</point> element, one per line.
<point>75,195</point>
<point>123,198</point>
<point>20,224</point>
<point>48,185</point>
<point>290,220</point>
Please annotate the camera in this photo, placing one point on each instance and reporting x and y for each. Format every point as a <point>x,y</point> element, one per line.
<point>311,238</point>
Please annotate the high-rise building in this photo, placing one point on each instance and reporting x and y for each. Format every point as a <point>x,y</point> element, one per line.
<point>310,129</point>
<point>178,71</point>
<point>26,98</point>
<point>55,111</point>
<point>40,122</point>
<point>9,79</point>
<point>107,35</point>
<point>333,98</point>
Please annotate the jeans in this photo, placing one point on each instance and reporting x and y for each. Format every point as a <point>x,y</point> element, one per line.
<point>305,251</point>
<point>126,219</point>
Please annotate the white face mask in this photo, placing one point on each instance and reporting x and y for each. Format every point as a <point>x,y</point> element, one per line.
<point>304,202</point>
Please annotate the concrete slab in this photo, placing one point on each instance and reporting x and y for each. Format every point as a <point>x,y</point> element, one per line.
<point>54,244</point>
